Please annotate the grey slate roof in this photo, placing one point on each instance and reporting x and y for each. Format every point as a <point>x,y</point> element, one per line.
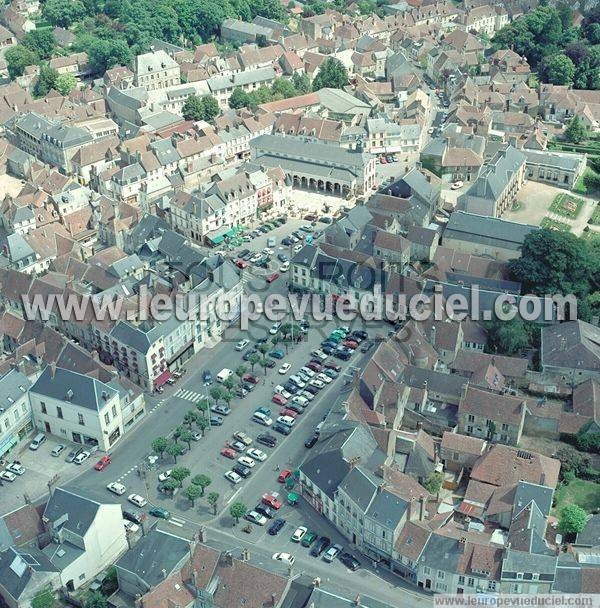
<point>441,553</point>
<point>387,509</point>
<point>18,567</point>
<point>559,160</point>
<point>13,385</point>
<point>221,83</point>
<point>66,385</point>
<point>590,535</point>
<point>321,598</point>
<point>360,486</point>
<point>492,231</point>
<point>67,510</point>
<point>573,344</point>
<point>155,552</point>
<point>527,492</point>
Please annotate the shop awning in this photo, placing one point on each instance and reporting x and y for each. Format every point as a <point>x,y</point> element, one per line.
<point>160,380</point>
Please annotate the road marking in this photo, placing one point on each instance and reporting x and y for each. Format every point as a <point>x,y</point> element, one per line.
<point>188,395</point>
<point>177,522</point>
<point>234,495</point>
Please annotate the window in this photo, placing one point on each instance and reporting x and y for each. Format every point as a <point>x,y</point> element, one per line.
<point>59,411</point>
<point>106,418</point>
<point>461,580</point>
<point>441,574</point>
<point>426,570</point>
<point>519,576</point>
<point>471,418</point>
<point>82,577</point>
<point>43,406</point>
<point>80,418</point>
<point>471,582</point>
<point>469,429</point>
<point>491,585</point>
<point>504,426</point>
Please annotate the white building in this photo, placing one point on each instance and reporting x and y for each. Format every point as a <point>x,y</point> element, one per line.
<point>15,414</point>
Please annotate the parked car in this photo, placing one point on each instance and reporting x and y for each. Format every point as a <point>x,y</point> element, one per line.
<point>265,510</point>
<point>7,476</point>
<point>207,377</point>
<point>16,467</point>
<point>267,439</point>
<point>246,461</point>
<point>320,546</point>
<point>286,558</point>
<point>216,420</point>
<point>277,354</point>
<point>103,463</point>
<point>285,368</point>
<point>57,450</point>
<point>251,378</point>
<point>241,345</point>
<point>229,453</point>
<point>263,410</point>
<point>236,445</point>
<point>116,488</point>
<point>286,420</point>
<point>274,328</point>
<point>279,399</point>
<point>248,354</point>
<point>272,501</point>
<point>283,475</point>
<point>81,457</point>
<point>233,477</point>
<point>243,437</point>
<point>73,454</point>
<point>282,428</point>
<point>298,534</point>
<point>333,365</point>
<point>132,515</point>
<point>224,410</point>
<point>272,277</point>
<point>276,526</point>
<point>349,561</point>
<point>310,442</point>
<point>256,518</point>
<point>297,381</point>
<point>315,367</point>
<point>281,390</point>
<point>262,419</point>
<point>159,512</point>
<point>241,470</point>
<point>137,500</point>
<point>332,553</point>
<point>256,454</point>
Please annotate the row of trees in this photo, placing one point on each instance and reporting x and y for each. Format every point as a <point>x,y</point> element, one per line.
<point>562,54</point>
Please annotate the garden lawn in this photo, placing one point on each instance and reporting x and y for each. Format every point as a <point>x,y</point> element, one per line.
<point>551,224</point>
<point>567,205</point>
<point>578,492</point>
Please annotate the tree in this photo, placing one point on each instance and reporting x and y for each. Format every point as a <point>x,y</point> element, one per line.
<point>433,482</point>
<point>240,371</point>
<point>216,392</point>
<point>95,599</point>
<point>229,383</point>
<point>213,500</point>
<point>576,131</point>
<point>301,83</point>
<point>65,83</point>
<point>193,108</point>
<point>239,99</point>
<point>264,348</point>
<point>105,54</point>
<point>572,519</point>
<point>63,13</point>
<point>174,449</point>
<point>203,406</point>
<point>264,363</point>
<point>284,88</point>
<point>43,599</point>
<point>557,69</point>
<point>186,437</point>
<point>254,359</point>
<point>237,510</point>
<point>179,474</point>
<point>18,58</point>
<point>571,461</point>
<point>190,418</point>
<point>46,80</point>
<point>507,337</point>
<point>227,397</point>
<point>202,481</point>
<point>202,424</point>
<point>40,42</point>
<point>159,445</point>
<point>192,492</point>
<point>170,485</point>
<point>210,107</point>
<point>332,74</point>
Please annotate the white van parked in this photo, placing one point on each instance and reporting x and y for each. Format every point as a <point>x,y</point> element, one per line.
<point>223,375</point>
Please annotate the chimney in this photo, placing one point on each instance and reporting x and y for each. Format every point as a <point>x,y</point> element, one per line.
<point>421,507</point>
<point>195,579</point>
<point>543,479</point>
<point>228,557</point>
<point>316,582</point>
<point>202,536</point>
<point>139,602</point>
<point>563,343</point>
<point>245,555</point>
<point>357,600</point>
<point>273,599</point>
<point>164,573</point>
<point>433,335</point>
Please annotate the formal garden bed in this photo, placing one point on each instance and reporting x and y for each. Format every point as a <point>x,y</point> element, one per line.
<point>567,205</point>
<point>551,224</point>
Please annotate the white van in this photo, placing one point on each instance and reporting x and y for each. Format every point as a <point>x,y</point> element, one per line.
<point>223,375</point>
<point>37,441</point>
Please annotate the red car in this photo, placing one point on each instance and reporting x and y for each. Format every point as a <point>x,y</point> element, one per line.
<point>332,365</point>
<point>250,378</point>
<point>290,413</point>
<point>284,475</point>
<point>229,453</point>
<point>383,160</point>
<point>316,367</point>
<point>271,501</point>
<point>242,264</point>
<point>102,463</point>
<point>272,277</point>
<point>279,399</point>
<point>350,344</point>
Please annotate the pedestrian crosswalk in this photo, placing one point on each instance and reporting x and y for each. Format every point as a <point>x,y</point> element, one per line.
<point>188,395</point>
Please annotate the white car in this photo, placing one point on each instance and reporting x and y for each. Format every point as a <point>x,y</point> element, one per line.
<point>319,354</point>
<point>307,372</point>
<point>274,328</point>
<point>280,390</point>
<point>164,475</point>
<point>298,400</point>
<point>456,185</point>
<point>286,558</point>
<point>16,468</point>
<point>284,267</point>
<point>241,345</point>
<point>256,454</point>
<point>262,419</point>
<point>116,488</point>
<point>287,420</point>
<point>130,526</point>
<point>246,461</point>
<point>256,518</point>
<point>299,534</point>
<point>256,257</point>
<point>298,381</point>
<point>430,130</point>
<point>7,476</point>
<point>324,378</point>
<point>81,458</point>
<point>243,437</point>
<point>298,247</point>
<point>285,368</point>
<point>137,500</point>
<point>317,383</point>
<point>268,251</point>
<point>233,477</point>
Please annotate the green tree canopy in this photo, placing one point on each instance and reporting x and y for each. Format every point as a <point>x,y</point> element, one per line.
<point>213,501</point>
<point>507,337</point>
<point>18,58</point>
<point>433,482</point>
<point>65,83</point>
<point>202,481</point>
<point>95,599</point>
<point>63,12</point>
<point>45,81</point>
<point>238,510</point>
<point>332,74</point>
<point>576,131</point>
<point>200,108</point>
<point>572,519</point>
<point>192,492</point>
<point>557,69</point>
<point>179,474</point>
<point>239,99</point>
<point>40,42</point>
<point>159,445</point>
<point>174,449</point>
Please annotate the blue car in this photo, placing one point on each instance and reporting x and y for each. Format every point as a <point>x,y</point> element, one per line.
<point>276,526</point>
